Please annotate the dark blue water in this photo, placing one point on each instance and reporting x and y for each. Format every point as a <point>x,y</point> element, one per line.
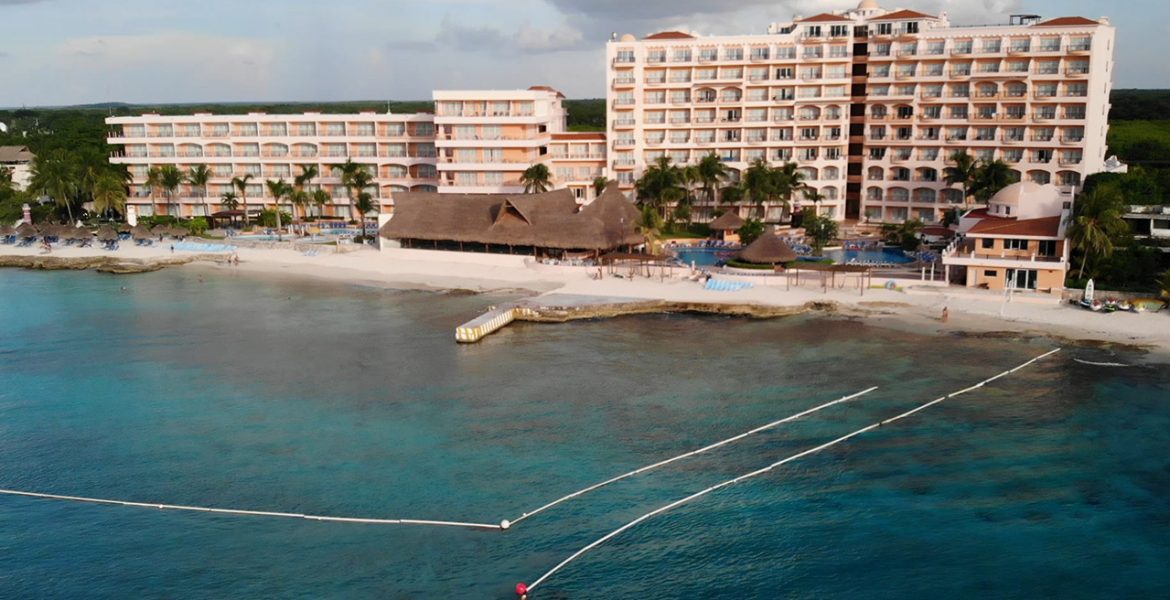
<point>228,391</point>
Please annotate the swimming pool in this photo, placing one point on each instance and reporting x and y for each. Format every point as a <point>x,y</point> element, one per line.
<point>705,257</point>
<point>886,255</point>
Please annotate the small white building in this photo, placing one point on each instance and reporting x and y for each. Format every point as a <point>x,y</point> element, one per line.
<point>19,159</point>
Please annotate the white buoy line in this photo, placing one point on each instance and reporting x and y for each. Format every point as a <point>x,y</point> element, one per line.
<point>501,526</point>
<point>758,472</point>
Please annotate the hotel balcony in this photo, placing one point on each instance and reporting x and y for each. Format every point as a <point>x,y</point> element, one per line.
<point>965,254</point>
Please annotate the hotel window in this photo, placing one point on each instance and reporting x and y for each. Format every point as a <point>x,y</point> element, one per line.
<point>1017,66</point>
<point>756,115</point>
<point>704,137</point>
<point>1073,134</point>
<point>885,28</point>
<point>1077,89</point>
<point>838,30</point>
<point>493,155</point>
<point>929,154</point>
<point>832,154</point>
<point>1071,157</point>
<point>466,155</point>
<point>785,73</point>
<point>759,54</point>
<point>936,48</point>
<point>679,137</point>
<point>813,52</point>
<point>931,112</point>
<point>1079,67</point>
<point>731,73</point>
<point>839,51</point>
<point>1048,67</point>
<point>733,54</point>
<point>1041,156</point>
<point>782,135</point>
<point>962,47</point>
<point>985,134</point>
<point>758,74</point>
<point>992,46</point>
<point>623,56</point>
<point>1074,112</point>
<point>1021,45</point>
<point>934,70</point>
<point>782,114</point>
<point>654,118</point>
<point>753,154</point>
<point>786,53</point>
<point>905,90</point>
<point>882,49</point>
<point>708,54</point>
<point>809,92</point>
<point>1051,44</point>
<point>1014,244</point>
<point>1013,134</point>
<point>904,133</point>
<point>502,109</point>
<point>466,132</point>
<point>656,56</point>
<point>656,77</point>
<point>680,76</point>
<point>564,173</point>
<point>810,73</point>
<point>807,154</point>
<point>1013,156</point>
<point>988,67</point>
<point>877,153</point>
<point>812,31</point>
<point>680,97</point>
<point>705,74</point>
<point>624,99</point>
<point>809,133</point>
<point>912,27</point>
<point>757,95</point>
<point>877,132</point>
<point>492,132</point>
<point>655,97</point>
<point>1080,44</point>
<point>679,157</point>
<point>1043,134</point>
<point>465,179</point>
<point>681,55</point>
<point>679,116</point>
<point>756,135</point>
<point>957,134</point>
<point>427,172</point>
<point>1045,90</point>
<point>729,155</point>
<point>783,154</point>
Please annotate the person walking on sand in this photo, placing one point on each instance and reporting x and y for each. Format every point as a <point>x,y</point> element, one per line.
<point>946,315</point>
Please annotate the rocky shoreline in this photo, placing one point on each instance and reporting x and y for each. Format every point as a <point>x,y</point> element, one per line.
<point>563,314</point>
<point>102,264</point>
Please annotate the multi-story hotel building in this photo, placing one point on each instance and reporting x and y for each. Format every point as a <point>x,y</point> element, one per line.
<point>486,139</point>
<point>399,151</point>
<point>576,160</point>
<point>869,103</point>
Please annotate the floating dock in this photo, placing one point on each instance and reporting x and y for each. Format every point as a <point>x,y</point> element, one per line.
<point>493,320</point>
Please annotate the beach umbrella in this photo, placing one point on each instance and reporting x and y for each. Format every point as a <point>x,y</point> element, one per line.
<point>7,230</point>
<point>178,232</point>
<point>106,233</point>
<point>141,232</point>
<point>82,234</point>
<point>123,228</point>
<point>160,230</point>
<point>26,230</point>
<point>768,249</point>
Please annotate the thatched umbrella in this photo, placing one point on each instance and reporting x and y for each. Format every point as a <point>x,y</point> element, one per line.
<point>141,232</point>
<point>82,234</point>
<point>768,249</point>
<point>727,221</point>
<point>7,230</point>
<point>178,232</point>
<point>106,234</point>
<point>26,230</point>
<point>123,228</point>
<point>160,230</point>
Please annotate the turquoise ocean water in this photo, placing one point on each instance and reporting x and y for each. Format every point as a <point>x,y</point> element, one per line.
<point>219,390</point>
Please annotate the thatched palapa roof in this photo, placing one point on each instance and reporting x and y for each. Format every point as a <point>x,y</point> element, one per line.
<point>768,249</point>
<point>727,221</point>
<point>141,232</point>
<point>106,233</point>
<point>26,230</point>
<point>7,229</point>
<point>548,220</point>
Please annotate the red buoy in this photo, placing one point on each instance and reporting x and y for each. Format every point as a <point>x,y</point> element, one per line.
<point>522,589</point>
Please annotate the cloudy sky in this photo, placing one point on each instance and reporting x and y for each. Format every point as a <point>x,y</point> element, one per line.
<point>154,51</point>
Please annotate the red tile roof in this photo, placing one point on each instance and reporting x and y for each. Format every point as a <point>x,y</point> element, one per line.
<point>670,35</point>
<point>1065,21</point>
<point>904,14</point>
<point>823,17</point>
<point>1042,227</point>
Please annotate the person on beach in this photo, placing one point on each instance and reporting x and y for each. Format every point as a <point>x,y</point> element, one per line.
<point>946,315</point>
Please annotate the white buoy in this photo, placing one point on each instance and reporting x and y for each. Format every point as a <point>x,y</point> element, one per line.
<point>505,524</point>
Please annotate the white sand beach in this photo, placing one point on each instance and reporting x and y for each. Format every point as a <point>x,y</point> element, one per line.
<point>915,306</point>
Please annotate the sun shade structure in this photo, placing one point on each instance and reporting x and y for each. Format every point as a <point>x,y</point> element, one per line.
<point>726,222</point>
<point>26,230</point>
<point>107,234</point>
<point>768,249</point>
<point>551,220</point>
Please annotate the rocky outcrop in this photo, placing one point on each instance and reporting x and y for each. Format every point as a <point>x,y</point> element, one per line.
<point>102,264</point>
<point>547,314</point>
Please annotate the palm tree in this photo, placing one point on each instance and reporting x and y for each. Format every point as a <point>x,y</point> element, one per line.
<point>536,179</point>
<point>170,178</point>
<point>304,183</point>
<point>711,172</point>
<point>599,184</point>
<point>320,198</point>
<point>6,183</point>
<point>659,184</point>
<point>153,182</point>
<point>759,183</point>
<point>53,176</point>
<point>356,178</point>
<point>992,177</point>
<point>963,173</point>
<point>278,190</point>
<point>789,179</point>
<point>241,184</point>
<point>650,226</point>
<point>364,205</point>
<point>821,230</point>
<point>229,201</point>
<point>1097,218</point>
<point>109,193</point>
<point>198,176</point>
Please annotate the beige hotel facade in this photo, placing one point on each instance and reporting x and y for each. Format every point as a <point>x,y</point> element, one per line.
<point>868,103</point>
